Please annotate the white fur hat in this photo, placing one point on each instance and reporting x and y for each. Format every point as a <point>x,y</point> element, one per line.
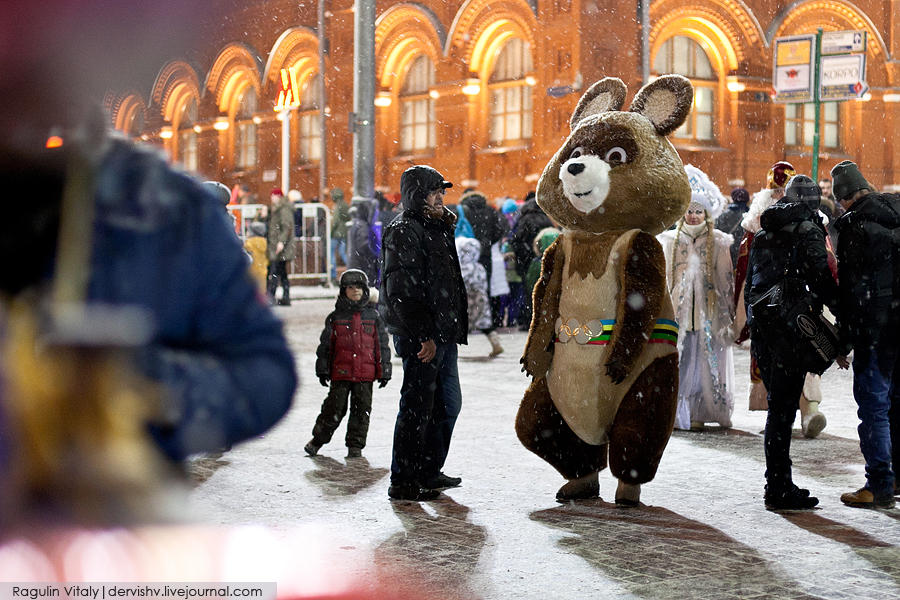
<point>704,192</point>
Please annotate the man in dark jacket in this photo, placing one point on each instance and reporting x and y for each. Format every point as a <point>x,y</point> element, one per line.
<point>730,219</point>
<point>867,258</point>
<point>487,224</point>
<point>532,219</point>
<point>426,311</point>
<point>360,254</point>
<point>792,240</point>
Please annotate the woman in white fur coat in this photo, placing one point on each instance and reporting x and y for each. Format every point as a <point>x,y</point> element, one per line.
<point>700,280</point>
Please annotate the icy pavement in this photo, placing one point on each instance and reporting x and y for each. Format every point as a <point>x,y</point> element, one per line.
<point>702,533</point>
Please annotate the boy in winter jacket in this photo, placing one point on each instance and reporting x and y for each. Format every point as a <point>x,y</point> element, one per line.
<point>353,352</point>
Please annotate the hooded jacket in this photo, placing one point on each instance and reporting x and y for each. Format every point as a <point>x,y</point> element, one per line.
<point>867,259</point>
<point>487,225</point>
<point>532,219</point>
<point>792,237</point>
<point>422,287</point>
<point>354,343</point>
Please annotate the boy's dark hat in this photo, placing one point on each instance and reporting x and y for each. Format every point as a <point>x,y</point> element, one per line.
<point>847,180</point>
<point>354,277</point>
<point>801,188</point>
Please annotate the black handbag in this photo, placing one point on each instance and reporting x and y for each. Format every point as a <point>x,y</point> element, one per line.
<point>796,331</point>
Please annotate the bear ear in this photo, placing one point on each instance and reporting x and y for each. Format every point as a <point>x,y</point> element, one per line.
<point>605,95</point>
<point>666,101</point>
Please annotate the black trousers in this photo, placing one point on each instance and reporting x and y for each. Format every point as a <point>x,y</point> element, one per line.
<point>784,384</point>
<point>278,275</point>
<point>334,407</point>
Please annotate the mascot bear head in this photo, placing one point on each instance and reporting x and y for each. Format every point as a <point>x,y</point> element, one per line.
<point>617,170</point>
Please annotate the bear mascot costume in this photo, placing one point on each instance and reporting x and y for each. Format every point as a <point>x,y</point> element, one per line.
<point>602,345</point>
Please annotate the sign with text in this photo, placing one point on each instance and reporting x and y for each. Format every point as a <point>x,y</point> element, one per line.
<point>792,77</point>
<point>843,42</point>
<point>289,95</point>
<point>843,77</point>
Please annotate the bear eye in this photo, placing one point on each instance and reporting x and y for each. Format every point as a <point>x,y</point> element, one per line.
<point>616,155</point>
<point>576,152</point>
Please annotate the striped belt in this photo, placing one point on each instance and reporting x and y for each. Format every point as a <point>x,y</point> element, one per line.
<point>598,331</point>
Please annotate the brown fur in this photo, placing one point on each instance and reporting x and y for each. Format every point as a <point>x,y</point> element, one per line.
<point>648,192</point>
<point>545,302</point>
<point>641,431</point>
<point>542,430</point>
<point>642,278</point>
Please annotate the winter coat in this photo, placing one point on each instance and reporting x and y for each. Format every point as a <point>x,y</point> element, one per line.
<point>542,241</point>
<point>340,216</point>
<point>488,225</point>
<point>531,220</point>
<point>255,246</point>
<point>354,343</point>
<point>281,229</point>
<point>164,245</point>
<point>730,222</point>
<point>360,252</point>
<point>868,306</point>
<point>424,296</point>
<point>793,238</point>
<point>688,279</point>
<point>475,279</point>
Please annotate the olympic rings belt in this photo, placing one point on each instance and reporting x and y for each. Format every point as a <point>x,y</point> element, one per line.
<point>599,331</point>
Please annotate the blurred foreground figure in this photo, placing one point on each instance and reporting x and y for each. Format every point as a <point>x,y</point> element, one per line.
<point>111,230</point>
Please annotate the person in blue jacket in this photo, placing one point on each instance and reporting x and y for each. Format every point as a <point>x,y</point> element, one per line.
<point>161,243</point>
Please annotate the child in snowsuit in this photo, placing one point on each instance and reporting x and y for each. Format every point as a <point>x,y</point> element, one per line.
<point>256,246</point>
<point>353,352</point>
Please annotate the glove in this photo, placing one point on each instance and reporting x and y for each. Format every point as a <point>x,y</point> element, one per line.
<point>382,383</point>
<point>324,381</point>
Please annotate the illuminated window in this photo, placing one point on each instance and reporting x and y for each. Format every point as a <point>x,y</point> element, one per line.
<point>417,129</point>
<point>800,124</point>
<point>309,122</point>
<point>245,130</point>
<point>684,56</point>
<point>187,137</point>
<point>510,96</point>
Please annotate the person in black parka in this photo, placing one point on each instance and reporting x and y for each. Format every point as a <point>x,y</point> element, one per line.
<point>868,265</point>
<point>792,239</point>
<point>532,219</point>
<point>425,307</point>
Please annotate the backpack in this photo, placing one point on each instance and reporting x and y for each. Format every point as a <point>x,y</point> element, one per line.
<point>801,335</point>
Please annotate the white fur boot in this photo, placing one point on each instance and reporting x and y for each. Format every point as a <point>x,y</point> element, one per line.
<point>811,420</point>
<point>628,495</point>
<point>496,348</point>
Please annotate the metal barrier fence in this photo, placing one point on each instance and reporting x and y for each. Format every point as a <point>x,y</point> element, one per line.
<point>312,230</point>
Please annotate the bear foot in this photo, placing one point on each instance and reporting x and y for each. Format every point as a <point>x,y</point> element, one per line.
<point>628,495</point>
<point>580,489</point>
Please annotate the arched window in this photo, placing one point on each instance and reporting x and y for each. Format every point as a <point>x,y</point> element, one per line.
<point>187,137</point>
<point>684,56</point>
<point>800,124</point>
<point>133,119</point>
<point>510,95</point>
<point>245,130</point>
<point>417,129</point>
<point>309,125</point>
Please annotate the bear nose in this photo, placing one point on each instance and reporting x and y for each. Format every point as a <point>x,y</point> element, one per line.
<point>575,168</point>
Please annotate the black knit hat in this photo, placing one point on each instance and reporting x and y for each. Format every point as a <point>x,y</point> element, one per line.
<point>847,180</point>
<point>801,188</point>
<point>354,277</point>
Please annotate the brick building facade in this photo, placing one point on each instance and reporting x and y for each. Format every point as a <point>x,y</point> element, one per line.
<point>483,89</point>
